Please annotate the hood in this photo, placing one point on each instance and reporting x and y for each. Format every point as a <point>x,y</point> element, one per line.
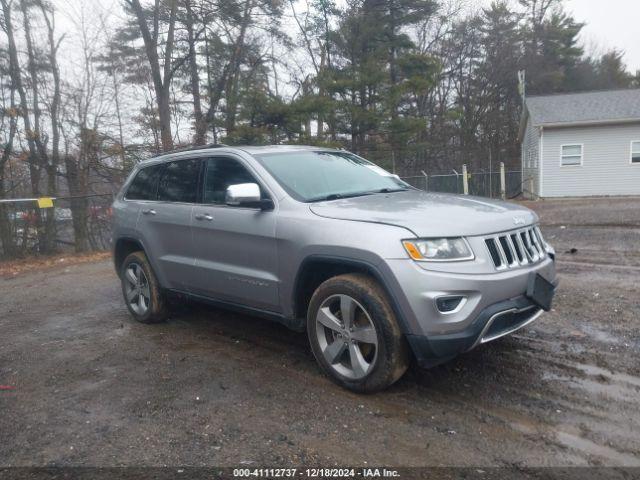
<point>430,214</point>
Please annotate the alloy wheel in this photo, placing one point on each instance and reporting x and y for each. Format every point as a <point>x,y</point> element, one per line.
<point>347,336</point>
<point>137,289</point>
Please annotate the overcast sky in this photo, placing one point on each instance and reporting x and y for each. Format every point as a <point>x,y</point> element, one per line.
<point>610,23</point>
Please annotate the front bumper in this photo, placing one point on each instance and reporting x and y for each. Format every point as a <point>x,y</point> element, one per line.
<point>493,322</point>
<point>494,305</point>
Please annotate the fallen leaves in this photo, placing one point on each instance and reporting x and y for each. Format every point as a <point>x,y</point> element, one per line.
<point>12,268</point>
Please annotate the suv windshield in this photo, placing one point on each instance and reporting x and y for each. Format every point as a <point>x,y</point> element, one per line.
<point>326,175</point>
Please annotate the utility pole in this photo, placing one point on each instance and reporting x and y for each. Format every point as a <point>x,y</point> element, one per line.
<point>490,176</point>
<point>522,85</point>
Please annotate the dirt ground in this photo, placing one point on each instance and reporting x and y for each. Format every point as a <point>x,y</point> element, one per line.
<point>82,384</point>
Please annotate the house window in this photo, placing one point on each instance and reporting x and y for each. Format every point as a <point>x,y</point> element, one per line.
<point>635,152</point>
<point>571,155</point>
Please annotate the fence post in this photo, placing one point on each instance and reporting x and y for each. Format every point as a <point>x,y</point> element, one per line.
<point>503,186</point>
<point>426,180</point>
<point>465,180</point>
<point>531,192</point>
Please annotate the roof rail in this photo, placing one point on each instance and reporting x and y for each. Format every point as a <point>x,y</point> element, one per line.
<point>187,149</point>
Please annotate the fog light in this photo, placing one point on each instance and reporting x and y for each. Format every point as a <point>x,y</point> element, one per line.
<point>448,304</point>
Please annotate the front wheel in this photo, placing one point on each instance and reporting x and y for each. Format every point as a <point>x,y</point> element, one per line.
<point>141,290</point>
<point>354,334</point>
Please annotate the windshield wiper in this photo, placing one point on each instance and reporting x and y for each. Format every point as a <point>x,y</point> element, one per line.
<point>391,190</point>
<point>337,196</point>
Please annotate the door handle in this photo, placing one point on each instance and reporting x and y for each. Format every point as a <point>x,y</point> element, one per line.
<point>149,211</point>
<point>203,216</point>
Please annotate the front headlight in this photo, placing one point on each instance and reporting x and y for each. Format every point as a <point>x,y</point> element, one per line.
<point>438,249</point>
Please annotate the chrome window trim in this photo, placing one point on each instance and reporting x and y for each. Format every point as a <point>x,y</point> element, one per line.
<point>202,155</point>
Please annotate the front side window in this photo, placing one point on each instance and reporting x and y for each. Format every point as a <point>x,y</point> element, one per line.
<point>571,155</point>
<point>324,175</point>
<point>179,182</point>
<point>635,152</point>
<point>145,185</point>
<point>220,173</point>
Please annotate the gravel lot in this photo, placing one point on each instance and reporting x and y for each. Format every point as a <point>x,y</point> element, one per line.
<point>82,384</point>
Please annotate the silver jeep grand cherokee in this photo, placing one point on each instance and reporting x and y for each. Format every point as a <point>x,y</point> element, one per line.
<point>322,240</point>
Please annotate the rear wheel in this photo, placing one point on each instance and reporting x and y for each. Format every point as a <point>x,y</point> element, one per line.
<point>354,334</point>
<point>141,290</point>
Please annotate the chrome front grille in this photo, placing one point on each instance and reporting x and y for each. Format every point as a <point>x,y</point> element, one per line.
<point>516,248</point>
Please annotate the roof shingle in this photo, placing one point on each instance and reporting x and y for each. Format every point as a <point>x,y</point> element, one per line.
<point>588,107</point>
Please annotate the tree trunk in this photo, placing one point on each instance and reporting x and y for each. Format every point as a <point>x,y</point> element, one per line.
<point>47,236</point>
<point>78,204</point>
<point>55,101</point>
<point>232,80</point>
<point>16,80</point>
<point>161,78</point>
<point>200,123</point>
<point>6,234</point>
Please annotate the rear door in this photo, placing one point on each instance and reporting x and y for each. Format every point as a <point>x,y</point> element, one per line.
<point>235,247</point>
<point>165,223</point>
<point>142,190</point>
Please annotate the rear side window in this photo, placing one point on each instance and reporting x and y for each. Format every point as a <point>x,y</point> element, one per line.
<point>179,182</point>
<point>220,173</point>
<point>145,185</point>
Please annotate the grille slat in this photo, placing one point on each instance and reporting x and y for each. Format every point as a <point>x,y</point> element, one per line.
<point>525,257</point>
<point>534,247</point>
<point>512,249</point>
<point>532,251</point>
<point>504,251</point>
<point>493,251</point>
<point>516,248</point>
<point>537,236</point>
<point>536,243</point>
<point>513,241</point>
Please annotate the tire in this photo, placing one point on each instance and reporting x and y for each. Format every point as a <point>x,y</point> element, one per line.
<point>144,284</point>
<point>349,356</point>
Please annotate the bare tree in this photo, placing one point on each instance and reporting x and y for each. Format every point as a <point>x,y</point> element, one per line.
<point>10,111</point>
<point>198,115</point>
<point>31,133</point>
<point>161,76</point>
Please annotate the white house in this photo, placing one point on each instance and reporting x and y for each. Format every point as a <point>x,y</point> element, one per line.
<point>581,144</point>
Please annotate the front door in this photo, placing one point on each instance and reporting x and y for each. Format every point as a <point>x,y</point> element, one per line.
<point>235,247</point>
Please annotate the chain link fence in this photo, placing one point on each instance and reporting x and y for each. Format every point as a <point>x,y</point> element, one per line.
<point>36,226</point>
<point>83,223</point>
<point>481,184</point>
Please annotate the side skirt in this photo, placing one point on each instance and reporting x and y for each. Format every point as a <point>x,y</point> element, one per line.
<point>295,324</point>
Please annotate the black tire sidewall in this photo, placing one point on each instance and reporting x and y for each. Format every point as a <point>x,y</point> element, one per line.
<point>157,311</point>
<point>392,359</point>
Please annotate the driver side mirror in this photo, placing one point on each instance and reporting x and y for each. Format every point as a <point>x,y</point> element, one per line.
<point>246,195</point>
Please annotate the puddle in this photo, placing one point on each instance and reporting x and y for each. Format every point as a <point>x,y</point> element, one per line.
<point>600,335</point>
<point>570,440</point>
<point>611,390</point>
<point>596,371</point>
<point>523,428</point>
<point>581,444</point>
